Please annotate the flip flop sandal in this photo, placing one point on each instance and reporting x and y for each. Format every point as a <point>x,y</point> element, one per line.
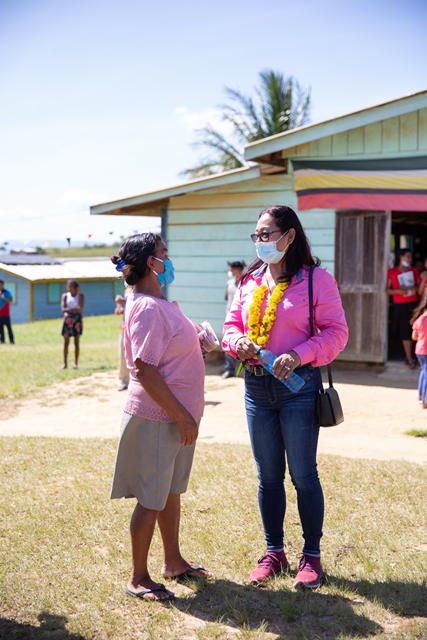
<point>188,574</point>
<point>140,594</point>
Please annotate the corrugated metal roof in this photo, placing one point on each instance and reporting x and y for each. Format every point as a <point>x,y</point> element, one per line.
<point>29,258</point>
<point>69,270</point>
<point>122,207</point>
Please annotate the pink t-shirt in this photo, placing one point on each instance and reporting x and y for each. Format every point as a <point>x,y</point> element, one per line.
<point>157,332</point>
<point>420,326</point>
<point>291,329</point>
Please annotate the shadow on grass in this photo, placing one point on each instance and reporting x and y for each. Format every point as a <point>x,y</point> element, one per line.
<point>303,614</point>
<point>51,626</point>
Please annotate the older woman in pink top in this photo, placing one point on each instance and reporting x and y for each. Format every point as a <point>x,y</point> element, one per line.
<point>271,308</point>
<point>161,417</point>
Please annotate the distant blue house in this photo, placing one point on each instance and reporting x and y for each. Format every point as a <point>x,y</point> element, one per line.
<point>37,283</point>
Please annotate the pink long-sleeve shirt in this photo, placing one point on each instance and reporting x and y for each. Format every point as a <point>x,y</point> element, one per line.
<point>291,329</point>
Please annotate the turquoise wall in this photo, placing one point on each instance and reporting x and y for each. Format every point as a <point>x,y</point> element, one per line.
<point>210,227</point>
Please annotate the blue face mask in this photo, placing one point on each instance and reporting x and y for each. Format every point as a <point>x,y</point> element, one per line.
<point>268,252</point>
<point>168,275</point>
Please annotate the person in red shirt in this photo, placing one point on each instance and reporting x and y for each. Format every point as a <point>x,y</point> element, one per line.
<point>5,300</point>
<point>402,285</point>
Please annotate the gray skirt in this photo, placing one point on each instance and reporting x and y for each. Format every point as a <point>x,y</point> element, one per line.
<point>151,463</point>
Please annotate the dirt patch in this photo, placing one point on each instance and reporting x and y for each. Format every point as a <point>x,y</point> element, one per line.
<point>378,411</point>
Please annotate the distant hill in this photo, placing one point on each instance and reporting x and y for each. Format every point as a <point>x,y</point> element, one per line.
<point>95,251</point>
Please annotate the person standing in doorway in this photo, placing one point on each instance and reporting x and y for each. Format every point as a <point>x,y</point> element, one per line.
<point>402,284</point>
<point>235,275</point>
<point>72,304</point>
<point>5,301</point>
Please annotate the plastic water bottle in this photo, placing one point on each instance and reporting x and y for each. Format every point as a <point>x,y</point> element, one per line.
<point>267,359</point>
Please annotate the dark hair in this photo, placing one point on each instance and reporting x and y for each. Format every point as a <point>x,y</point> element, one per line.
<point>73,283</point>
<point>299,253</point>
<point>2,281</point>
<point>135,252</point>
<point>418,311</point>
<point>403,251</point>
<point>237,264</point>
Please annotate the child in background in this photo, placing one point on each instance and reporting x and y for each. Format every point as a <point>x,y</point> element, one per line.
<point>419,333</point>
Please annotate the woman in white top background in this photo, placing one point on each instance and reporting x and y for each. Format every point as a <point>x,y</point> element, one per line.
<point>72,304</point>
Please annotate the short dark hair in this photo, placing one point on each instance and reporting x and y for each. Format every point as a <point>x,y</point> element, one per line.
<point>2,281</point>
<point>74,283</point>
<point>135,252</point>
<point>237,264</point>
<point>299,252</point>
<point>403,251</point>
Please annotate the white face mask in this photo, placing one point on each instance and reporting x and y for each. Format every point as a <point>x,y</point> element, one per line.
<point>229,274</point>
<point>405,264</point>
<point>268,251</point>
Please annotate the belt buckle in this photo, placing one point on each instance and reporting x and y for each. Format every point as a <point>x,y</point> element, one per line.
<point>258,371</point>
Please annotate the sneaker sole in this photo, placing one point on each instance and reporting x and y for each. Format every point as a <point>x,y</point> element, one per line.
<point>304,585</point>
<point>259,583</point>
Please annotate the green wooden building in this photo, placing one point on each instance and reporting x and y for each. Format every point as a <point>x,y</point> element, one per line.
<point>359,186</point>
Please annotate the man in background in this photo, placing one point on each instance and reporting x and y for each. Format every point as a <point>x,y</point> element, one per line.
<point>5,302</point>
<point>235,274</point>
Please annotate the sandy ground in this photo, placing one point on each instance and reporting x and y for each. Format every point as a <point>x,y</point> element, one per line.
<point>378,409</point>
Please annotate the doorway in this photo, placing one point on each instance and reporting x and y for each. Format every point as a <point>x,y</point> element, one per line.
<point>408,230</point>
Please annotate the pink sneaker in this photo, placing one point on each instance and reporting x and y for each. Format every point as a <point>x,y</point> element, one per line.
<point>268,566</point>
<point>309,573</point>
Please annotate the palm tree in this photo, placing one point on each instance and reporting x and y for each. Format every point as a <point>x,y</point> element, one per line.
<point>281,104</point>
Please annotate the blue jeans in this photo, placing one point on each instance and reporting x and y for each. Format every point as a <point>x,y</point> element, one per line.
<point>422,380</point>
<point>281,422</point>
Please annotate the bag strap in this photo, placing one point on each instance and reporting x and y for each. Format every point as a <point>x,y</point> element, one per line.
<point>310,302</point>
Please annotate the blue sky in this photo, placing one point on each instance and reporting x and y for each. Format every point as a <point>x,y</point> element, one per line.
<point>100,98</point>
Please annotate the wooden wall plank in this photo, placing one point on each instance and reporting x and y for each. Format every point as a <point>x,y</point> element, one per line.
<point>408,131</point>
<point>317,219</point>
<point>340,144</point>
<point>373,137</point>
<point>325,147</point>
<point>205,266</point>
<point>422,129</point>
<point>227,201</point>
<point>213,232</point>
<point>356,140</point>
<point>282,182</point>
<point>239,247</point>
<point>391,135</point>
<point>302,150</point>
<point>213,216</point>
<point>324,252</point>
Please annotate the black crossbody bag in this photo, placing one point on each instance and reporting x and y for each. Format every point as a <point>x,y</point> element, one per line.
<point>329,410</point>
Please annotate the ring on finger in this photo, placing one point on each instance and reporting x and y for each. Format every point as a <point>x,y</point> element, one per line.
<point>288,368</point>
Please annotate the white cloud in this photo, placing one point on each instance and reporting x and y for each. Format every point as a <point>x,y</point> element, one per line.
<point>197,119</point>
<point>76,199</point>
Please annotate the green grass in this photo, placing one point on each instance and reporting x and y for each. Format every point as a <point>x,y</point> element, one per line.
<point>35,360</point>
<point>98,251</point>
<point>417,433</point>
<point>65,553</point>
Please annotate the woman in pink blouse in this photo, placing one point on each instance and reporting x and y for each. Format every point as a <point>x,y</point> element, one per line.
<point>271,308</point>
<point>161,417</point>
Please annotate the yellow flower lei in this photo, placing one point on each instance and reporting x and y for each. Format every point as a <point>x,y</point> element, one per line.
<point>259,332</point>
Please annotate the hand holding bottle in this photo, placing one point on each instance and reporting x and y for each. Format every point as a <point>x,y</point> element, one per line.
<point>277,366</point>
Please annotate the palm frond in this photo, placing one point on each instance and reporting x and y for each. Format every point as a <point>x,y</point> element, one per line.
<point>281,104</point>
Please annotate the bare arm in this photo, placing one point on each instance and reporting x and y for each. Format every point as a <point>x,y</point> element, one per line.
<point>391,292</point>
<point>81,302</point>
<point>414,335</point>
<point>158,390</point>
